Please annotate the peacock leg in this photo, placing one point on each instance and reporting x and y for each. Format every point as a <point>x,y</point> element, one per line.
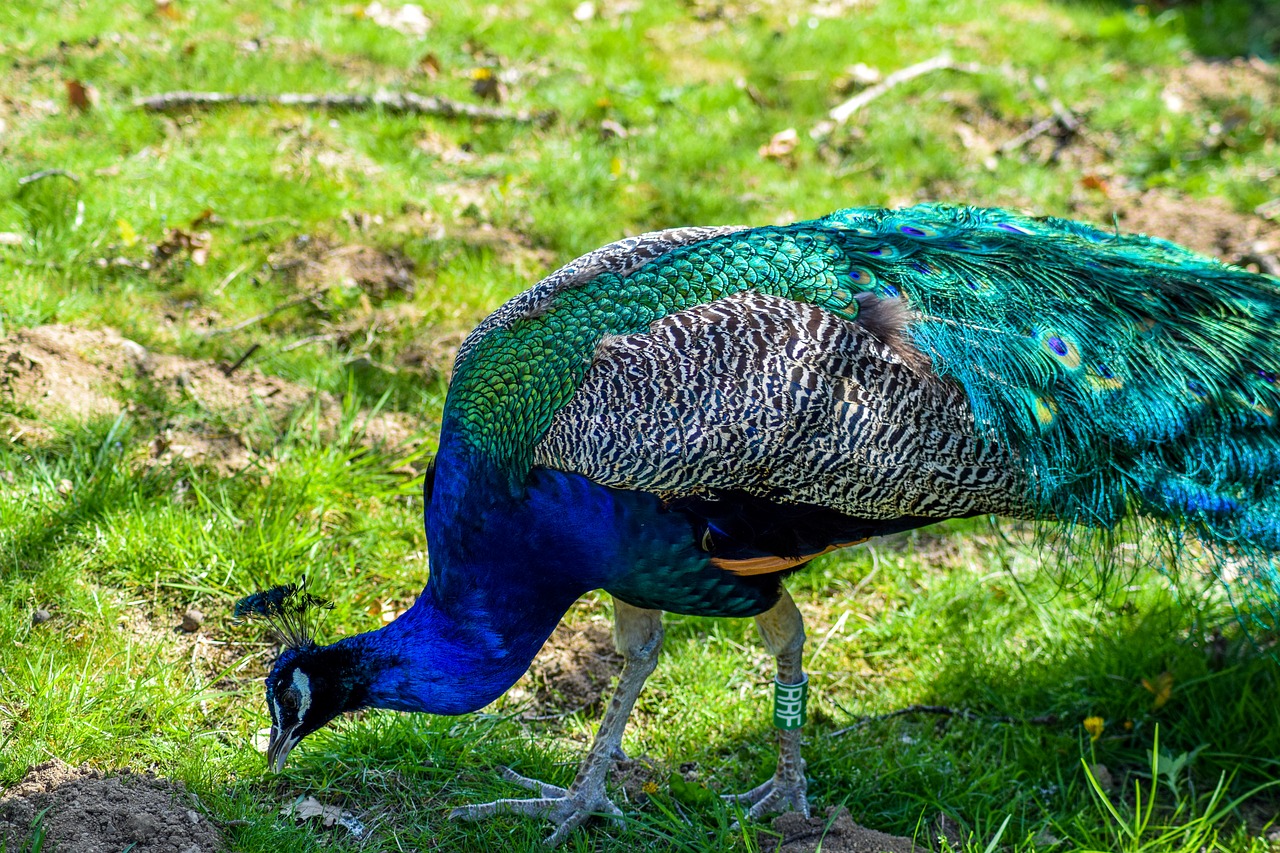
<point>782,629</point>
<point>638,636</point>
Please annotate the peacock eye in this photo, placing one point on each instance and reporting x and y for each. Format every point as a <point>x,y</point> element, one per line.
<point>289,700</point>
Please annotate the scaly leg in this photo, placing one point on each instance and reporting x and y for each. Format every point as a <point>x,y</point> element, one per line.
<point>782,629</point>
<point>638,635</point>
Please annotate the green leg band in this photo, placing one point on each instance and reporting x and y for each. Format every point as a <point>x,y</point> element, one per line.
<point>789,703</point>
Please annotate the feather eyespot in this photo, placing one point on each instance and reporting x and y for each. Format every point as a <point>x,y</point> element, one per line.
<point>1266,376</point>
<point>917,231</point>
<point>1197,390</point>
<point>861,277</point>
<point>1062,349</point>
<point>884,253</point>
<point>1255,405</point>
<point>1011,228</point>
<point>1043,408</point>
<point>891,291</point>
<point>1103,378</point>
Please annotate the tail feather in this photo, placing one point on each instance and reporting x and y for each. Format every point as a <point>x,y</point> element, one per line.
<point>1131,377</point>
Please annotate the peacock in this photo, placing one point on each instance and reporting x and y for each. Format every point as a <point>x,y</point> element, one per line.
<point>686,417</point>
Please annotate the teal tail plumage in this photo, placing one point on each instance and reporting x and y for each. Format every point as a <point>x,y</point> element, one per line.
<point>1132,376</point>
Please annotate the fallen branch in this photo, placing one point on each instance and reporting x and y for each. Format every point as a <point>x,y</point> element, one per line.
<point>301,299</point>
<point>942,62</point>
<point>945,711</point>
<point>48,173</point>
<point>407,103</point>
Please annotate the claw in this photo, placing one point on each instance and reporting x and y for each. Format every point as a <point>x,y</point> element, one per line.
<point>566,808</point>
<point>774,795</point>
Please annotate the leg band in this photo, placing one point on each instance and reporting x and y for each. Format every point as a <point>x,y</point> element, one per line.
<point>789,702</point>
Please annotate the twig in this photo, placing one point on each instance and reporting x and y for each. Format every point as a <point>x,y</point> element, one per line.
<point>396,102</point>
<point>48,173</point>
<point>258,318</point>
<point>307,341</point>
<point>945,711</point>
<point>1062,117</point>
<point>941,62</point>
<point>232,368</point>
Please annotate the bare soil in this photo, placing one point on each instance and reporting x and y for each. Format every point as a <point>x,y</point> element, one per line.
<point>1207,225</point>
<point>573,670</point>
<point>53,372</point>
<point>836,833</point>
<point>87,812</point>
<point>313,261</point>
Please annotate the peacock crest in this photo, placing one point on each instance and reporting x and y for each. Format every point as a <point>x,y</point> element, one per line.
<point>289,610</point>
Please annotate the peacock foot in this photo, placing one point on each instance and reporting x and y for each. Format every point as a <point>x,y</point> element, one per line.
<point>566,808</point>
<point>779,794</point>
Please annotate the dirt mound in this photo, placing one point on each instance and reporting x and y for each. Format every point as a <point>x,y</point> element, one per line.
<point>573,670</point>
<point>836,833</point>
<point>61,371</point>
<point>86,812</point>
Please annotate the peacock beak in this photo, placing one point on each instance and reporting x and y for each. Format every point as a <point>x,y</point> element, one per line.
<point>279,747</point>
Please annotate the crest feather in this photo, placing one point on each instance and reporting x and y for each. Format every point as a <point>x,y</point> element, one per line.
<point>292,612</point>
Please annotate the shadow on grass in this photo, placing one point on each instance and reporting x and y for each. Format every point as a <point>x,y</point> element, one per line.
<point>1214,28</point>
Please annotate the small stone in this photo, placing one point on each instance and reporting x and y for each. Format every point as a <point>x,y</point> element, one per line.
<point>1102,774</point>
<point>192,620</point>
<point>39,617</point>
<point>65,487</point>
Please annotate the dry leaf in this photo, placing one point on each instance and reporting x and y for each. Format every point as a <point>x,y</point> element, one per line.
<point>81,95</point>
<point>408,19</point>
<point>610,129</point>
<point>429,65</point>
<point>168,9</point>
<point>306,808</point>
<point>177,241</point>
<point>780,145</point>
<point>1093,182</point>
<point>1160,687</point>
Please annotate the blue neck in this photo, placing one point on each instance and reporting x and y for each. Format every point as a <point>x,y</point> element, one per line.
<point>446,660</point>
<point>504,569</point>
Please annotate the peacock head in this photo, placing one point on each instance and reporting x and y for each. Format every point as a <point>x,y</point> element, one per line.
<point>309,684</point>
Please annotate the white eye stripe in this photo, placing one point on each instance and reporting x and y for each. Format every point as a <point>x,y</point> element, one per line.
<point>302,684</point>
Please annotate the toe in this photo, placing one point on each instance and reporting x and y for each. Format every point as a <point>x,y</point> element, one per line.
<point>543,789</point>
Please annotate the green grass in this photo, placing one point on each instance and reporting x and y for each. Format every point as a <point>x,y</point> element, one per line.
<point>949,616</point>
